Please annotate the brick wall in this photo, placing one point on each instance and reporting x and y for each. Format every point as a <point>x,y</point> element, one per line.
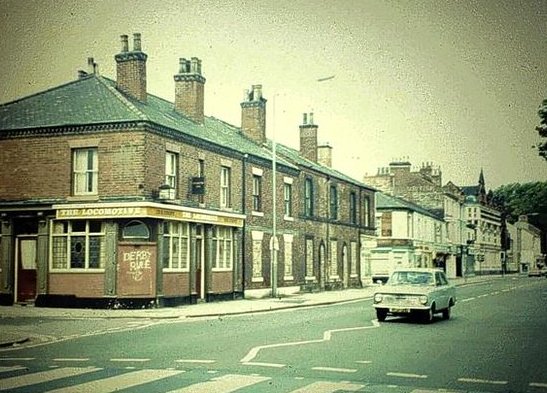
<point>131,78</point>
<point>81,285</point>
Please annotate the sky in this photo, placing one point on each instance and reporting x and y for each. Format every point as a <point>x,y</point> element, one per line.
<point>454,83</point>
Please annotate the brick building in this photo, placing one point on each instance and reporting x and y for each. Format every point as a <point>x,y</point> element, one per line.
<point>112,196</point>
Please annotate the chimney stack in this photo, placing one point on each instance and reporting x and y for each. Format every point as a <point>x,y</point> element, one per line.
<point>308,138</point>
<point>324,155</point>
<point>190,90</point>
<point>131,68</point>
<point>253,115</point>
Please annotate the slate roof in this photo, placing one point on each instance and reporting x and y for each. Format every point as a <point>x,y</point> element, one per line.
<point>94,100</point>
<point>384,201</point>
<point>470,190</point>
<point>294,156</point>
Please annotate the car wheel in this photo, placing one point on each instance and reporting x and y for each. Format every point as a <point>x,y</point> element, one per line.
<point>381,314</point>
<point>446,313</point>
<point>428,315</point>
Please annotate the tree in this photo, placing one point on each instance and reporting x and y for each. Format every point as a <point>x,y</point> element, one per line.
<point>518,199</point>
<point>542,129</point>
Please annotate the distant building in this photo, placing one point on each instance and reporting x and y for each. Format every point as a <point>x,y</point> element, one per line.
<point>525,251</point>
<point>423,187</point>
<point>408,236</point>
<point>486,221</point>
<point>111,196</point>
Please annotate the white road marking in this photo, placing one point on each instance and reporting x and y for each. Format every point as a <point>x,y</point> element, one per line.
<point>123,381</point>
<point>486,381</point>
<point>328,387</point>
<point>406,375</point>
<point>538,384</point>
<point>71,359</point>
<point>225,384</point>
<point>194,361</point>
<point>275,365</point>
<point>338,370</point>
<point>43,376</point>
<point>130,360</point>
<point>14,368</point>
<point>364,361</point>
<point>327,335</point>
<point>16,359</point>
<point>467,300</point>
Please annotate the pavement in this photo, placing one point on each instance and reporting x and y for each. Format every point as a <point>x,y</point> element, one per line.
<point>11,335</point>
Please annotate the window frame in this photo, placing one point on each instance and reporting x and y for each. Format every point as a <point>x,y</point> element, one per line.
<point>223,261</point>
<point>69,234</point>
<point>333,202</point>
<point>179,236</point>
<point>171,170</point>
<point>257,193</point>
<point>88,176</point>
<point>353,207</point>
<point>287,200</point>
<point>308,197</point>
<point>225,187</point>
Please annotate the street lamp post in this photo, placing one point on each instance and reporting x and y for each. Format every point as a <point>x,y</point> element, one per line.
<point>274,246</point>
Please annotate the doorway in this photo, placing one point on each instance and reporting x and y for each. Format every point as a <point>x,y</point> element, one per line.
<point>25,271</point>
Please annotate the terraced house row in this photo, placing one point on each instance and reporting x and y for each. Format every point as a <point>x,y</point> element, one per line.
<point>111,196</point>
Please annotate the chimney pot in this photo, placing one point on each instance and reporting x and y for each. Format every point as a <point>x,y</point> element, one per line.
<point>137,42</point>
<point>125,43</point>
<point>311,117</point>
<point>305,118</point>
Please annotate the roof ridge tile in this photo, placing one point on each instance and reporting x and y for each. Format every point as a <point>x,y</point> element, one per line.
<point>123,99</point>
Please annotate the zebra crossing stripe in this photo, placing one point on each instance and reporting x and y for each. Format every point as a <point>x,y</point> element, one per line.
<point>14,368</point>
<point>328,387</point>
<point>224,384</point>
<point>118,382</point>
<point>44,376</point>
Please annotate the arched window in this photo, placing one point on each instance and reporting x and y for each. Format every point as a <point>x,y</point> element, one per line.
<point>135,230</point>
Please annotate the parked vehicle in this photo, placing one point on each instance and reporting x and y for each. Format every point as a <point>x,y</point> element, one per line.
<point>415,291</point>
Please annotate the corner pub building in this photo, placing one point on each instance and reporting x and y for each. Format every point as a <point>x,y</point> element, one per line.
<point>113,197</point>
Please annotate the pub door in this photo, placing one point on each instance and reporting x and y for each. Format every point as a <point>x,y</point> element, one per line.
<point>25,271</point>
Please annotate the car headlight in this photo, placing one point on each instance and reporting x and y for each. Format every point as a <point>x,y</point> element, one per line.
<point>423,299</point>
<point>378,298</point>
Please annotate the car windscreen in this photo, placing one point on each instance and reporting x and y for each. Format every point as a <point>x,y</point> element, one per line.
<point>411,278</point>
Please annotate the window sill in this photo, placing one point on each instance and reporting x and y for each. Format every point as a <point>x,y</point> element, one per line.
<point>221,269</point>
<point>257,214</point>
<point>78,198</point>
<point>288,218</point>
<point>288,278</point>
<point>77,270</point>
<point>172,270</point>
<point>310,278</point>
<point>257,279</point>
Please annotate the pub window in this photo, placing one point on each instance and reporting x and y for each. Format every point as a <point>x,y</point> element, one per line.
<point>222,248</point>
<point>176,245</point>
<point>136,230</point>
<point>77,245</point>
